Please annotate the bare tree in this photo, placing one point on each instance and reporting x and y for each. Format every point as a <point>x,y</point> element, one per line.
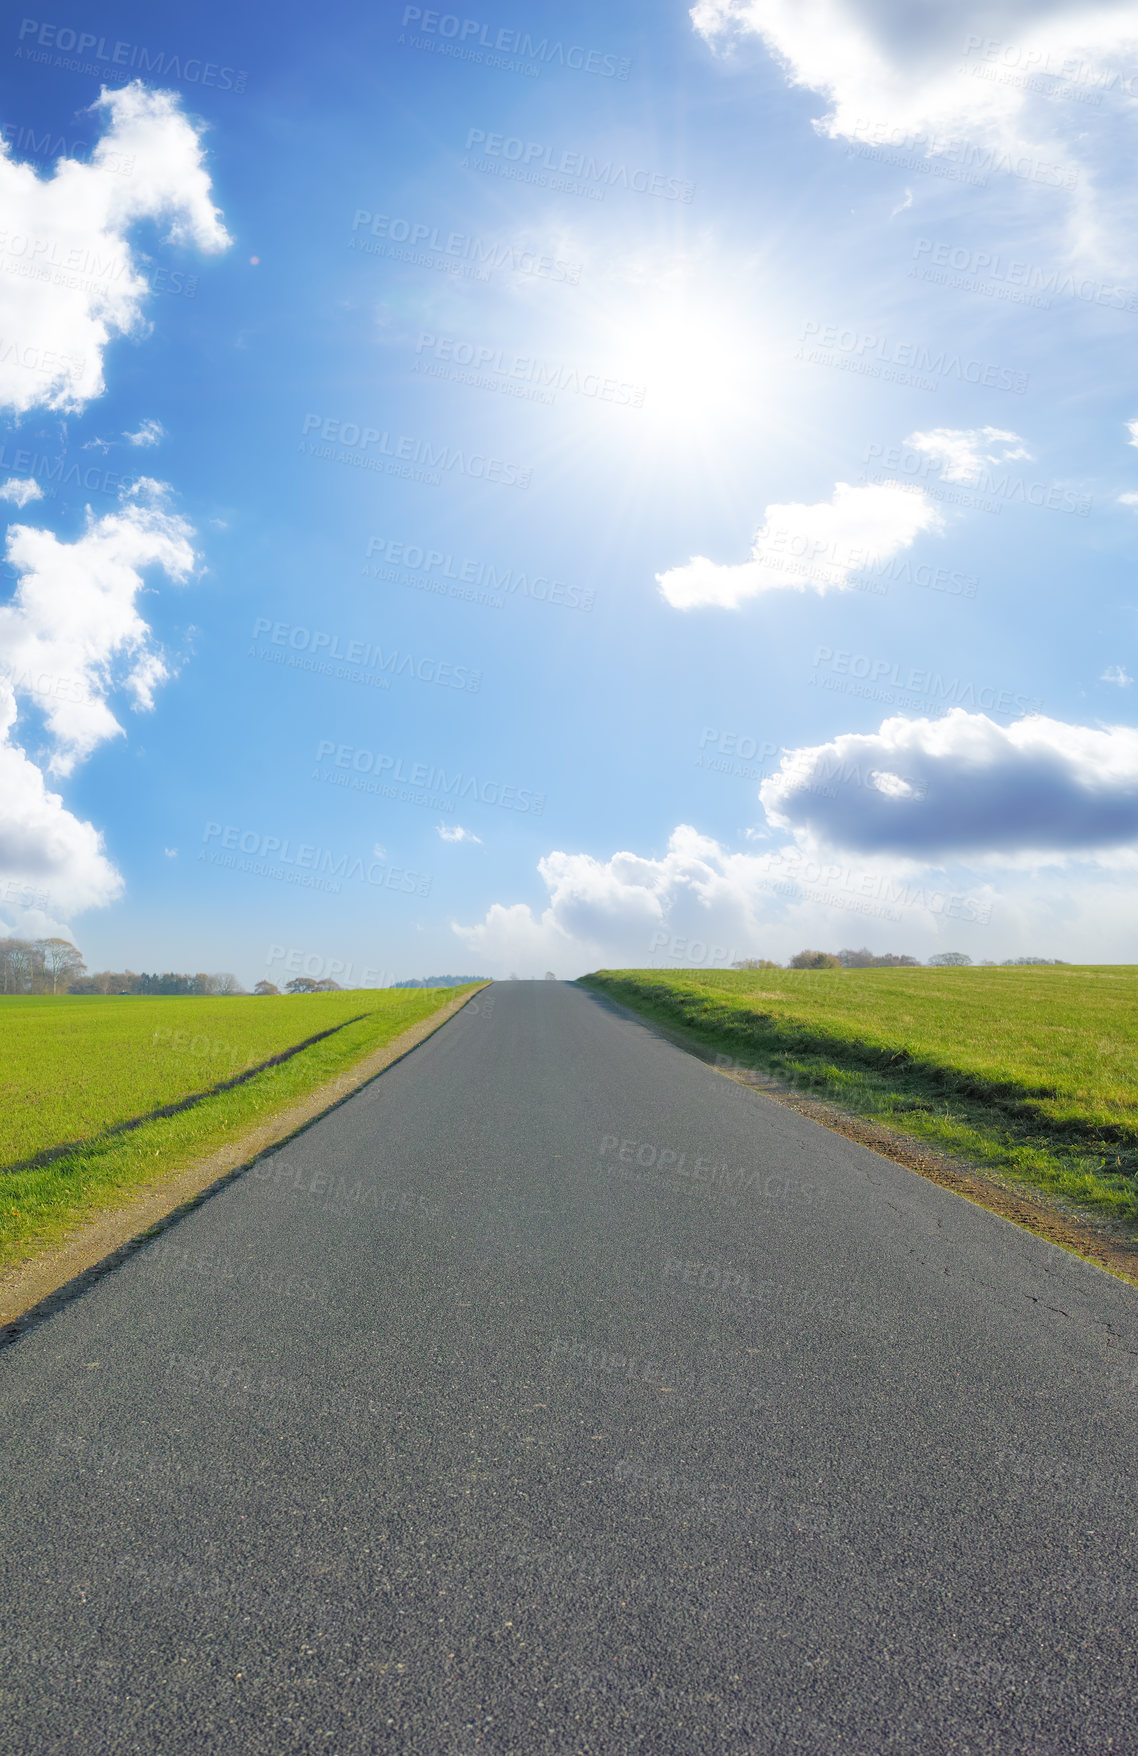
<point>12,965</point>
<point>61,962</point>
<point>226,984</point>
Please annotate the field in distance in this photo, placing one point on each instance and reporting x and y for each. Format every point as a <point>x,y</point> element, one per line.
<point>1028,1070</point>
<point>75,1068</point>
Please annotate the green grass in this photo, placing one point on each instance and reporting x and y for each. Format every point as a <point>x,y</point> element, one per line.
<point>72,1068</point>
<point>1029,1071</point>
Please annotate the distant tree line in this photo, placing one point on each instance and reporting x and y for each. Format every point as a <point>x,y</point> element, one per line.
<point>38,966</point>
<point>449,981</point>
<point>55,966</point>
<point>108,981</point>
<point>865,959</point>
<point>301,985</point>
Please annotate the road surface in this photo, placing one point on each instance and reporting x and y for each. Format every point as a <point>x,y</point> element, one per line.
<point>555,1394</point>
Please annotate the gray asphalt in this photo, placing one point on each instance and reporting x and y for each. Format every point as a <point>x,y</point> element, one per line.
<point>555,1394</point>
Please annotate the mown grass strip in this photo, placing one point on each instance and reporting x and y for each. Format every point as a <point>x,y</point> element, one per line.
<point>39,1206</point>
<point>847,1041</point>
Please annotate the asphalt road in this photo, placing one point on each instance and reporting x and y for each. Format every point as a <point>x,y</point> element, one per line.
<point>555,1394</point>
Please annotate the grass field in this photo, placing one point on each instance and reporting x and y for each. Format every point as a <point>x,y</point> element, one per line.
<point>1031,1071</point>
<point>74,1069</point>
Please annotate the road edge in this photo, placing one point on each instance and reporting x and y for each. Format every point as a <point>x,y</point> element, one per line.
<point>1032,1210</point>
<point>37,1288</point>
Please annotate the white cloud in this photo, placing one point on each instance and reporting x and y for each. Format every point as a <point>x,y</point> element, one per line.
<point>963,787</point>
<point>20,491</point>
<point>702,906</point>
<point>917,67</point>
<point>980,80</point>
<point>71,634</point>
<point>455,832</point>
<point>42,844</point>
<point>53,332</point>
<point>961,452</point>
<point>1132,429</point>
<point>1117,673</point>
<point>72,631</point>
<point>821,547</point>
<point>612,908</point>
<point>149,433</point>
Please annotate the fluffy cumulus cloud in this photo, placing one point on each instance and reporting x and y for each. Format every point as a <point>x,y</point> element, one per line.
<point>71,635</point>
<point>455,832</point>
<point>72,631</point>
<point>20,490</point>
<point>959,454</point>
<point>821,547</point>
<point>69,282</point>
<point>997,86</point>
<point>45,851</point>
<point>963,788</point>
<point>619,908</point>
<point>938,69</point>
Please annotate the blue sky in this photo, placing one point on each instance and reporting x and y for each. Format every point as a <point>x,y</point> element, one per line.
<point>654,492</point>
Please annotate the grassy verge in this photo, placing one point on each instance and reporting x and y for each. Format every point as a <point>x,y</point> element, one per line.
<point>40,1205</point>
<point>1026,1073</point>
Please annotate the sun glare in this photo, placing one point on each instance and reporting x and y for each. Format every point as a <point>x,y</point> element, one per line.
<point>694,365</point>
